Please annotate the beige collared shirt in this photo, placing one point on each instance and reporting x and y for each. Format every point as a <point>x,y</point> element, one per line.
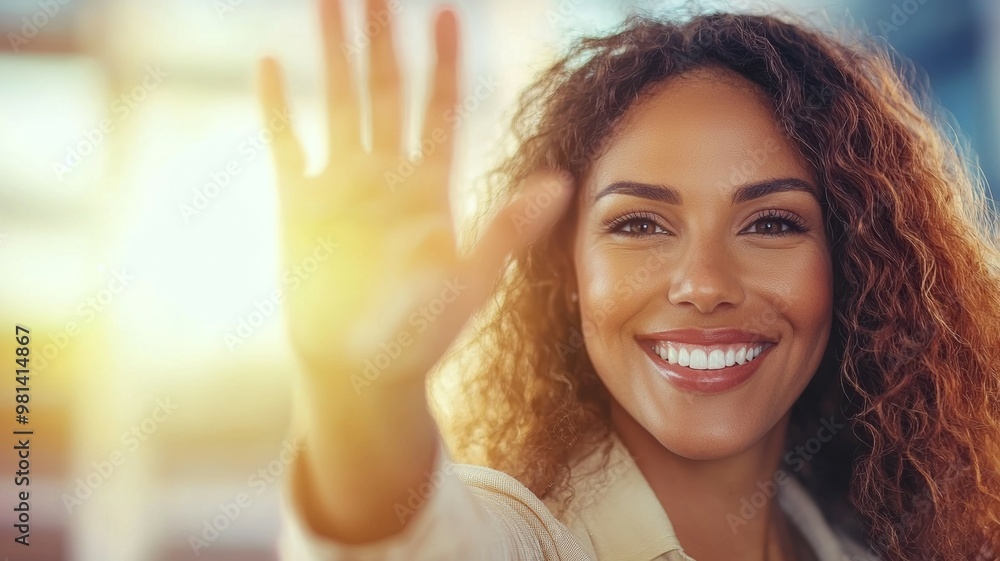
<point>473,513</point>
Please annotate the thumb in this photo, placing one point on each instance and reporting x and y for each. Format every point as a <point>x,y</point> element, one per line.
<point>543,199</point>
<point>541,202</point>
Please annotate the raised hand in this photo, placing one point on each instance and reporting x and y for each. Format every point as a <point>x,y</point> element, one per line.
<point>391,292</point>
<point>394,246</point>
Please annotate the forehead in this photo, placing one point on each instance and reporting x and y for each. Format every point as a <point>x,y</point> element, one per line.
<point>706,128</point>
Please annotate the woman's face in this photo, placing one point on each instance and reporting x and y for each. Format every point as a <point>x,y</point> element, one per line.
<point>700,216</point>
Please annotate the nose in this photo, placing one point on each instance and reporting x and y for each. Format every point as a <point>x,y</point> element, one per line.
<point>706,275</point>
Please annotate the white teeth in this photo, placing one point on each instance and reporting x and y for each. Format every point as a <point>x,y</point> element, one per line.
<point>741,356</point>
<point>716,359</point>
<point>699,360</point>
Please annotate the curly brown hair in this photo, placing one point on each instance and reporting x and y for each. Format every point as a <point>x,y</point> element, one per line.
<point>912,360</point>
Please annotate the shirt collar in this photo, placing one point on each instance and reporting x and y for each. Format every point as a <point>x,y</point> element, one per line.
<point>616,511</point>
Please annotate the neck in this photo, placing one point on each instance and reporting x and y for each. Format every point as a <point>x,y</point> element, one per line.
<point>721,509</point>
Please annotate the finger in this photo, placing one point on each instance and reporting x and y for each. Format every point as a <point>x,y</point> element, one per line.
<point>386,96</point>
<point>458,289</point>
<point>438,132</point>
<point>341,105</point>
<point>544,200</point>
<point>441,299</point>
<point>444,88</point>
<point>289,159</point>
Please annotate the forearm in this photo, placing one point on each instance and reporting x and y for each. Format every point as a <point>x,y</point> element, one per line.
<point>364,455</point>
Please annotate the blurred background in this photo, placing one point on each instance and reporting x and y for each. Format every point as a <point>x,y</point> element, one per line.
<point>138,235</point>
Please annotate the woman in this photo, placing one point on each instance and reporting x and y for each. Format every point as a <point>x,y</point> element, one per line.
<point>740,301</point>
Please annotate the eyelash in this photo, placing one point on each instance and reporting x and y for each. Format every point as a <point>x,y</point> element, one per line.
<point>794,223</point>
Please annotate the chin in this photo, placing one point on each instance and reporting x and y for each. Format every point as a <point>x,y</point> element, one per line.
<point>713,444</point>
<point>697,441</point>
<point>696,429</point>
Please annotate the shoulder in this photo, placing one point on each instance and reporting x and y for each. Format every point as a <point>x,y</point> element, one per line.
<point>525,518</point>
<point>826,541</point>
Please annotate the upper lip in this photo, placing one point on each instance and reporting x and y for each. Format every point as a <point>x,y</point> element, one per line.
<point>720,336</point>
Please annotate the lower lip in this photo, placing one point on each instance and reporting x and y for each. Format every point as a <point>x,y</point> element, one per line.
<point>707,381</point>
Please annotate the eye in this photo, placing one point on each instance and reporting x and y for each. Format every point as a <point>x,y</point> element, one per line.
<point>636,224</point>
<point>776,223</point>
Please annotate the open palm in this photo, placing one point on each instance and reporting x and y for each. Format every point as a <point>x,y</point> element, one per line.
<point>385,291</point>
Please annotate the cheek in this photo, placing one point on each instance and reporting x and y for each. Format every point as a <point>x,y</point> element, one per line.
<point>812,293</point>
<point>615,285</point>
<point>799,290</point>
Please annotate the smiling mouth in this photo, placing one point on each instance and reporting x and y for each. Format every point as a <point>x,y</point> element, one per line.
<point>706,369</point>
<point>708,357</point>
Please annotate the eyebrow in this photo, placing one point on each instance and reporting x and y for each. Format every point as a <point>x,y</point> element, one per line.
<point>672,196</point>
